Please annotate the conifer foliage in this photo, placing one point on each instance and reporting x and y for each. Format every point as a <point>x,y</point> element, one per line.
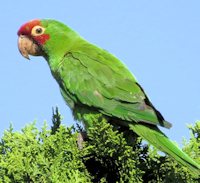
<point>108,155</point>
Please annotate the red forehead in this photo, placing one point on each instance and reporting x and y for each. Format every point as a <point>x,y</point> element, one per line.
<point>27,27</point>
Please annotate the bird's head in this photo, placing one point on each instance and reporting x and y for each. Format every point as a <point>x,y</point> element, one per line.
<point>44,37</point>
<point>32,38</point>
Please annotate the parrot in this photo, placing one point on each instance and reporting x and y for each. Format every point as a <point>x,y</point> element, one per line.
<point>96,85</point>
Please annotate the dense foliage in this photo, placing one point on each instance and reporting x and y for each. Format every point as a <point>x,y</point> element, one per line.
<point>109,154</point>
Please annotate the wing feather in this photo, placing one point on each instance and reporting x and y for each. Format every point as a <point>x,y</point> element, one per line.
<point>101,81</point>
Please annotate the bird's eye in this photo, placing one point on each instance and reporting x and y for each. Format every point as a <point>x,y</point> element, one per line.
<point>37,30</point>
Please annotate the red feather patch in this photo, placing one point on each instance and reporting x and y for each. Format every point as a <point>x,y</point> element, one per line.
<point>42,39</point>
<point>27,28</point>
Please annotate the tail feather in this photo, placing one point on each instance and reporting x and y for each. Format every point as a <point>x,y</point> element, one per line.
<point>154,136</point>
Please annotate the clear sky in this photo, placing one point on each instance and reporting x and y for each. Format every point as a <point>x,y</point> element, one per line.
<point>159,41</point>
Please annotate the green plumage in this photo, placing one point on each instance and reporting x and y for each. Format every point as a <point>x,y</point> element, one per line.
<point>93,81</point>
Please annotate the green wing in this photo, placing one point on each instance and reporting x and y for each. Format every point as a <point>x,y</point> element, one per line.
<point>97,79</point>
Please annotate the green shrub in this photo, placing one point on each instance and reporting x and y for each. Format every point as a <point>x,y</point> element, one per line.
<point>108,155</point>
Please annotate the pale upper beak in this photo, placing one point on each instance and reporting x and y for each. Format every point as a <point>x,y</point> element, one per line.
<point>28,47</point>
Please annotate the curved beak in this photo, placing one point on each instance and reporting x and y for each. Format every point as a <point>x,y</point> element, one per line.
<point>28,47</point>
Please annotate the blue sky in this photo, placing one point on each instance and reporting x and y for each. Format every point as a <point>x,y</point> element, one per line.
<point>159,41</point>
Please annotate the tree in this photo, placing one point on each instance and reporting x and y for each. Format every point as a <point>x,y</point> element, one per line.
<point>108,155</point>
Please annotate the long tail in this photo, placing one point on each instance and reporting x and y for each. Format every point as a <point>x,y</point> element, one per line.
<point>158,139</point>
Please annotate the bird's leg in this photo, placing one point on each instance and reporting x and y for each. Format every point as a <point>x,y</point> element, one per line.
<point>89,118</point>
<point>82,136</point>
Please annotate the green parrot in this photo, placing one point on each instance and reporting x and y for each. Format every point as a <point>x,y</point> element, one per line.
<point>97,85</point>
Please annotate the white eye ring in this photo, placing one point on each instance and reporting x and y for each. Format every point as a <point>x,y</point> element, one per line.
<point>37,30</point>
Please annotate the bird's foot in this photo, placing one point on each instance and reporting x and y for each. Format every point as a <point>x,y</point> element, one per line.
<point>82,136</point>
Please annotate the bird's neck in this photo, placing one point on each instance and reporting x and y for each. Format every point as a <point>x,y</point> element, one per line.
<point>55,54</point>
